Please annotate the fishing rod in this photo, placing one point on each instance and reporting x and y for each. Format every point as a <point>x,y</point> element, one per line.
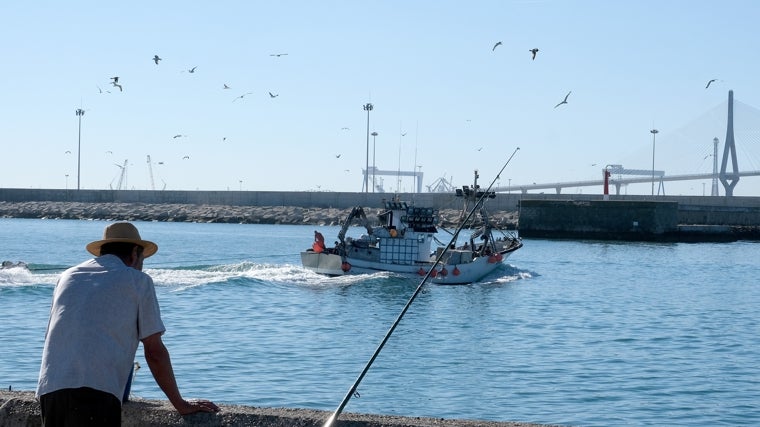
<point>417,291</point>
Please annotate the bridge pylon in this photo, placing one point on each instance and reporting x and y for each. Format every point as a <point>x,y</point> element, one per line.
<point>729,179</point>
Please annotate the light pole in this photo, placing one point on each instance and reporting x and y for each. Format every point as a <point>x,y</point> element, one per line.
<point>367,107</point>
<point>374,135</point>
<point>80,113</point>
<point>654,136</point>
<point>241,185</point>
<point>67,181</point>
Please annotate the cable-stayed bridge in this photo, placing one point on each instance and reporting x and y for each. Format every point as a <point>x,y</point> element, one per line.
<point>719,170</point>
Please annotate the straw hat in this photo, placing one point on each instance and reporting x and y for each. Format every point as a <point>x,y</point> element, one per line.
<point>122,232</point>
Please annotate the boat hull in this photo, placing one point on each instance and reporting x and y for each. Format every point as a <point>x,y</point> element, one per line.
<point>452,274</point>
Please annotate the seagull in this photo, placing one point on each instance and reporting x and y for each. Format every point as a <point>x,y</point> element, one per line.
<point>241,96</point>
<point>564,101</point>
<point>225,86</point>
<point>403,134</point>
<point>192,70</point>
<point>186,158</point>
<point>708,83</point>
<point>337,156</point>
<point>344,128</point>
<point>115,79</point>
<point>160,163</point>
<point>109,152</point>
<point>273,95</point>
<point>156,59</point>
<point>534,51</point>
<point>117,85</point>
<point>224,138</point>
<point>277,54</point>
<point>67,152</point>
<point>495,46</point>
<point>480,148</point>
<point>179,135</point>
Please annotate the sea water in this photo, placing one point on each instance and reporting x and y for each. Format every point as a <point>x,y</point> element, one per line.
<point>583,333</point>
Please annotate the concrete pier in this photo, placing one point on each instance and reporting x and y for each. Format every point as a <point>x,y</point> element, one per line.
<point>21,409</point>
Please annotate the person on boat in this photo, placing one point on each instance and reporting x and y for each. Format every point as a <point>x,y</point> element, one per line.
<point>102,309</point>
<point>319,242</point>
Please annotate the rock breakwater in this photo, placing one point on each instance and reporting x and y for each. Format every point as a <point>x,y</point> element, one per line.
<point>208,213</point>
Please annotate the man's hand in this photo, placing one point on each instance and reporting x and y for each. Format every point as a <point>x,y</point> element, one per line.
<point>196,405</point>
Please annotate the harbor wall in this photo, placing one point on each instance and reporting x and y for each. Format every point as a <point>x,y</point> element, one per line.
<point>619,220</point>
<point>692,209</point>
<point>548,215</point>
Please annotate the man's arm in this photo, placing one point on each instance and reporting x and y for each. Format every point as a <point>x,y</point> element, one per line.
<point>160,365</point>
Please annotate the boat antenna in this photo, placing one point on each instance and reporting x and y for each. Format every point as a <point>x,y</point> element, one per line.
<point>417,291</point>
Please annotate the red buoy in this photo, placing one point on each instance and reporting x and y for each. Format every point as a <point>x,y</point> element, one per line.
<point>345,267</point>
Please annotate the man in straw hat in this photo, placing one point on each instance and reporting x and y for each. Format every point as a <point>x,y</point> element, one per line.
<point>102,309</point>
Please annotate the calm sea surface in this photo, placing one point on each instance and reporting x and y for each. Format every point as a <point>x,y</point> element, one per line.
<point>567,332</point>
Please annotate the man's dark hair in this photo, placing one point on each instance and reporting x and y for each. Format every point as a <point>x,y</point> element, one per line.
<point>121,249</point>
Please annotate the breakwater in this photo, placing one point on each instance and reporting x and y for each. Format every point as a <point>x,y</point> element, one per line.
<point>208,213</point>
<point>576,216</point>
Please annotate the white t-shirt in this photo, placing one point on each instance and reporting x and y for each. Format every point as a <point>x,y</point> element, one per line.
<point>101,310</point>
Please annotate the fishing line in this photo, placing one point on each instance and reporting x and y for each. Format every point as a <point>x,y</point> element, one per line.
<point>417,291</point>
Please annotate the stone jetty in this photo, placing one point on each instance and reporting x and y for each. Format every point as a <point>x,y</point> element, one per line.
<point>207,213</point>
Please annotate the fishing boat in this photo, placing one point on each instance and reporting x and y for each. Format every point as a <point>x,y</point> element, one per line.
<point>405,243</point>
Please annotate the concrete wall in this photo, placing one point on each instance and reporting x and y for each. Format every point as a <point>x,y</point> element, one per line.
<point>709,210</point>
<point>21,409</point>
<point>628,220</point>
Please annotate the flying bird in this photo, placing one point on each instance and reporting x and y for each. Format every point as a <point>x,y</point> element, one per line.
<point>403,134</point>
<point>277,54</point>
<point>708,83</point>
<point>534,51</point>
<point>273,95</point>
<point>241,96</point>
<point>117,85</point>
<point>115,79</point>
<point>67,152</point>
<point>564,101</point>
<point>192,70</point>
<point>179,135</point>
<point>337,156</point>
<point>109,152</point>
<point>186,158</point>
<point>344,128</point>
<point>225,86</point>
<point>495,46</point>
<point>156,59</point>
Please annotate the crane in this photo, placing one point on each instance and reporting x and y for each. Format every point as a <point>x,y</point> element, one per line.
<point>121,176</point>
<point>150,171</point>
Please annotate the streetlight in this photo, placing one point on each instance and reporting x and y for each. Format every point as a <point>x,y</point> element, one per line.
<point>80,113</point>
<point>67,181</point>
<point>241,185</point>
<point>367,107</point>
<point>654,136</point>
<point>374,135</point>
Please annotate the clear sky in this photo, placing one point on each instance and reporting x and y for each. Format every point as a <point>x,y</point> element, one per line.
<point>446,101</point>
